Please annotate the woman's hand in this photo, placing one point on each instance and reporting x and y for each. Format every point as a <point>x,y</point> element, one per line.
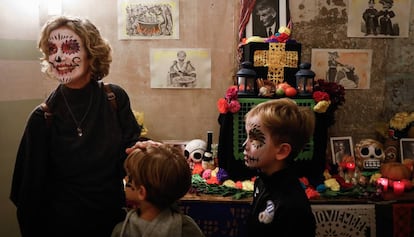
<point>142,145</point>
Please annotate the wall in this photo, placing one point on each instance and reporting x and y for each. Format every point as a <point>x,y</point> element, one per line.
<point>392,61</point>
<point>169,114</point>
<point>188,114</point>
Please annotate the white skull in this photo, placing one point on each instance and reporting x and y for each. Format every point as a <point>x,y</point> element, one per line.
<point>369,154</point>
<point>194,151</point>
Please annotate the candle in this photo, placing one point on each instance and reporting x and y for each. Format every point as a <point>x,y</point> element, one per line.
<point>384,183</point>
<point>350,166</point>
<point>398,187</point>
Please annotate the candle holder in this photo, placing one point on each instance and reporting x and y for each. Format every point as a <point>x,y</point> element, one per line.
<point>246,80</point>
<point>305,80</point>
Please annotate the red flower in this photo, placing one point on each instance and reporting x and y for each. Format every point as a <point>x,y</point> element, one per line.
<point>282,38</point>
<point>222,105</point>
<point>336,92</point>
<point>231,93</point>
<point>234,106</point>
<point>320,95</point>
<point>229,103</point>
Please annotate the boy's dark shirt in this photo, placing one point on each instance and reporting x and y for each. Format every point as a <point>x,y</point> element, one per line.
<point>292,211</point>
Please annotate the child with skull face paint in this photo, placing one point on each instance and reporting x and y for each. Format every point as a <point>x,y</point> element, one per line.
<point>68,172</point>
<point>277,131</point>
<point>157,177</point>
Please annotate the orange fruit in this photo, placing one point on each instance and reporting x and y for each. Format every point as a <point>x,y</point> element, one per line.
<point>290,91</point>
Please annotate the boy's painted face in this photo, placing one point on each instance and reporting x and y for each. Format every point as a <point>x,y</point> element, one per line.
<point>259,150</point>
<point>130,192</point>
<point>67,56</point>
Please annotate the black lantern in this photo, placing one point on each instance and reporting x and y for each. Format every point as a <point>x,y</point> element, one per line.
<point>246,79</point>
<point>305,80</point>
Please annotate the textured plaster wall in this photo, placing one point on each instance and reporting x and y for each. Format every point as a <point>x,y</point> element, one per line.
<point>392,72</point>
<point>188,114</point>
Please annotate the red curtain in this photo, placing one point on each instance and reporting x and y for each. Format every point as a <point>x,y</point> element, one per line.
<point>245,12</point>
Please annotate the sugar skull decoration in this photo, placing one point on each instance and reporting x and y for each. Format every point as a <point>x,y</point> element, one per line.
<point>194,151</point>
<point>369,154</point>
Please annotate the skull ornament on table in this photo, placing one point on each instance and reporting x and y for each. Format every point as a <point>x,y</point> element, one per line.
<point>194,151</point>
<point>369,154</point>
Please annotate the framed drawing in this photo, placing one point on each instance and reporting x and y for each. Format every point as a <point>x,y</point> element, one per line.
<point>350,68</point>
<point>266,17</point>
<point>180,68</point>
<point>407,149</point>
<point>144,19</point>
<point>340,147</point>
<point>379,19</point>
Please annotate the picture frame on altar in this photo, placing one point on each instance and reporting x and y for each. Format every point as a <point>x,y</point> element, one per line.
<point>407,149</point>
<point>255,27</point>
<point>340,147</point>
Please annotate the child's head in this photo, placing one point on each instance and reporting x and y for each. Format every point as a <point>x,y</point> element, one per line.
<point>277,130</point>
<point>161,171</point>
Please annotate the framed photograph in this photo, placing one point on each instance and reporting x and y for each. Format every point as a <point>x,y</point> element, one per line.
<point>266,17</point>
<point>407,148</point>
<point>340,147</point>
<point>350,68</point>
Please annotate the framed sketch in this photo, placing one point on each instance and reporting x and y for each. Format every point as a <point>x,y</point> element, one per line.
<point>180,68</point>
<point>266,17</point>
<point>407,148</point>
<point>379,19</point>
<point>340,147</point>
<point>350,68</point>
<point>148,19</point>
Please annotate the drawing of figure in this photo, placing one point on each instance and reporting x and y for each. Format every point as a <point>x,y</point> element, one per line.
<point>347,77</point>
<point>167,21</point>
<point>385,15</point>
<point>182,73</point>
<point>332,65</point>
<point>370,17</point>
<point>343,74</point>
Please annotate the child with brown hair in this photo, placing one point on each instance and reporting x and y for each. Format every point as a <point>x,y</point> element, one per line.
<point>277,130</point>
<point>157,177</point>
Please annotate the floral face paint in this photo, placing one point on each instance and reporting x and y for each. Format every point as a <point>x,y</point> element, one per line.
<point>258,147</point>
<point>67,56</point>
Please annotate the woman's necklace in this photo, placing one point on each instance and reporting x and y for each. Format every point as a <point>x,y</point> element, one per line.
<point>78,124</point>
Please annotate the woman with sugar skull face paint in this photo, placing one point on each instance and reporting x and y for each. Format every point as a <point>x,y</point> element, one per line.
<point>277,130</point>
<point>68,173</point>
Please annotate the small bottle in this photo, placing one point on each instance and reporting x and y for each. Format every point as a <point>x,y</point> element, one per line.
<point>208,160</point>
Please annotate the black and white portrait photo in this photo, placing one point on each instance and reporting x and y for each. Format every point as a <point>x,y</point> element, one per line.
<point>267,17</point>
<point>341,147</point>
